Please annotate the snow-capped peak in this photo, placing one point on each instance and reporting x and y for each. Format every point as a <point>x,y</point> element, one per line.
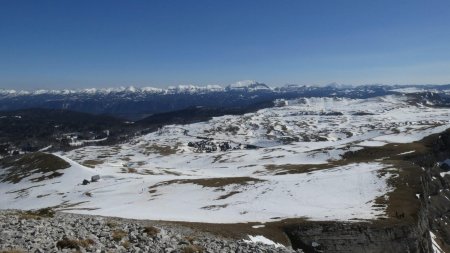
<point>338,85</point>
<point>131,89</point>
<point>242,84</point>
<point>248,85</point>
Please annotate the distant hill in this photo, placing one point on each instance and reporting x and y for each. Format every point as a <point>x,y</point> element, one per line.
<point>33,129</point>
<point>199,113</point>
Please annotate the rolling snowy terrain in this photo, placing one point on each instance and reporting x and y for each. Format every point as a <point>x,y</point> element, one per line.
<point>277,163</point>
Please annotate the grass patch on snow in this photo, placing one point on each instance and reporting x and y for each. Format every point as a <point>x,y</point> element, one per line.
<point>92,163</point>
<point>210,182</point>
<point>390,151</point>
<point>160,149</point>
<point>20,167</point>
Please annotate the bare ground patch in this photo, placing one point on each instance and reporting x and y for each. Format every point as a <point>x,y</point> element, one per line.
<point>212,182</point>
<point>160,149</point>
<point>92,163</point>
<point>20,167</point>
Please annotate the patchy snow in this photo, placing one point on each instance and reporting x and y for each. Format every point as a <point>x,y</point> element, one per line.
<point>242,84</point>
<point>46,148</point>
<point>156,176</point>
<point>447,162</point>
<point>307,131</point>
<point>372,143</point>
<point>78,142</point>
<point>411,90</point>
<point>258,226</point>
<point>407,152</point>
<point>27,195</point>
<point>263,240</point>
<point>341,193</point>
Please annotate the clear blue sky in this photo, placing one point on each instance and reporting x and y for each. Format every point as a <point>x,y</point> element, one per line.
<point>77,44</point>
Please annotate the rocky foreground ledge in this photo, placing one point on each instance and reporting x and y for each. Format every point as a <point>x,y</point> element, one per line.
<point>46,231</point>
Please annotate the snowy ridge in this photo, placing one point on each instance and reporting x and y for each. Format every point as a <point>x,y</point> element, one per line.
<point>244,85</point>
<point>248,85</point>
<point>240,86</point>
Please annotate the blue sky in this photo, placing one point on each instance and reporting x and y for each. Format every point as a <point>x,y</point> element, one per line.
<point>78,44</point>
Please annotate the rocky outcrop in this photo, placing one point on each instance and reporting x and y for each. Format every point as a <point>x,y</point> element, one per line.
<point>36,232</point>
<point>358,237</point>
<point>436,185</point>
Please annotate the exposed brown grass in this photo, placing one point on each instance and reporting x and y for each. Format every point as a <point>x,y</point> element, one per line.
<point>126,244</point>
<point>12,251</point>
<point>391,151</point>
<point>74,244</point>
<point>37,214</point>
<point>91,163</point>
<point>43,195</point>
<point>225,196</point>
<point>26,216</point>
<point>132,170</point>
<point>221,182</point>
<point>85,243</point>
<point>214,207</point>
<point>151,231</point>
<point>212,182</point>
<point>111,224</point>
<point>190,239</point>
<point>117,235</point>
<point>23,166</point>
<point>160,149</point>
<point>401,203</point>
<point>192,249</point>
<point>296,168</point>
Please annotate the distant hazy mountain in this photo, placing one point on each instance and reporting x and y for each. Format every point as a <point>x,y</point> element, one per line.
<point>133,103</point>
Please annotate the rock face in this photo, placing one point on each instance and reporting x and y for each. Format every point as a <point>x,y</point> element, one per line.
<point>436,185</point>
<point>81,233</point>
<point>359,237</point>
<point>437,201</point>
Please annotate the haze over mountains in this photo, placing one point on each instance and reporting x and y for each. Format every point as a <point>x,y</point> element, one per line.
<point>137,103</point>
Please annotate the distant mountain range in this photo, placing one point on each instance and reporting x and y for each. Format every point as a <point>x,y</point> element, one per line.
<point>247,85</point>
<point>137,103</point>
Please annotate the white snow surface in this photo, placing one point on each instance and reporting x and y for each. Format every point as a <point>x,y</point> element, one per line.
<point>263,240</point>
<point>435,245</point>
<point>412,90</point>
<point>158,176</point>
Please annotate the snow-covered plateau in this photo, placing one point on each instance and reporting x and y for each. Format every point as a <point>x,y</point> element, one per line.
<point>277,163</point>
